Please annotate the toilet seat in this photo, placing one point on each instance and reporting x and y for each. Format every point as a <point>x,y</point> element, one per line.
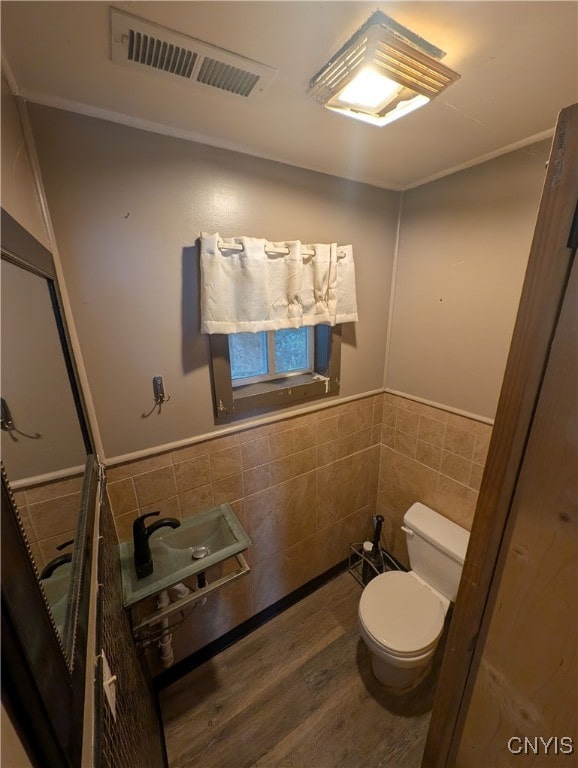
<point>401,615</point>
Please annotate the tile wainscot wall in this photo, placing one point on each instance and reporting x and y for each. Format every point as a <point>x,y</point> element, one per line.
<point>305,488</point>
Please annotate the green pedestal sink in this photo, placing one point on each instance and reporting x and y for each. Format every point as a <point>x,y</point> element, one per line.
<point>200,542</point>
<point>56,588</point>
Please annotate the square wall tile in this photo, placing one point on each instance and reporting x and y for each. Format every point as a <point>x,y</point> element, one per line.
<point>54,489</point>
<point>327,453</point>
<point>460,441</point>
<point>225,463</point>
<point>403,481</point>
<point>54,517</point>
<point>327,429</point>
<point>431,430</point>
<point>481,446</point>
<point>222,443</point>
<point>255,452</point>
<point>192,473</point>
<point>476,474</point>
<point>166,508</point>
<point>407,421</point>
<point>281,515</point>
<point>406,444</point>
<point>428,454</point>
<point>277,576</point>
<point>256,479</point>
<point>282,469</point>
<point>228,489</point>
<point>122,496</point>
<point>456,501</point>
<point>456,467</point>
<point>281,444</point>
<point>389,414</point>
<point>305,460</point>
<point>189,452</point>
<point>138,467</point>
<point>342,488</point>
<point>305,436</point>
<point>196,500</point>
<point>156,485</point>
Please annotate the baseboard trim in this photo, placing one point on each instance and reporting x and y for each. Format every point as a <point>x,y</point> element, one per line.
<point>186,665</point>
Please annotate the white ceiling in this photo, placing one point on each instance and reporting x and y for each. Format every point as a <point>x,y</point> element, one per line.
<point>518,63</point>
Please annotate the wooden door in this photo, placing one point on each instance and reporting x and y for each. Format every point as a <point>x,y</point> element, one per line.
<point>516,599</point>
<point>524,705</point>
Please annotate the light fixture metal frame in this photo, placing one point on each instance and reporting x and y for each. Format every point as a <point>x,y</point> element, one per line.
<point>381,45</point>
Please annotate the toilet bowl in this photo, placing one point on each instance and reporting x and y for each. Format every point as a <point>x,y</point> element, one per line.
<point>401,614</point>
<point>401,620</point>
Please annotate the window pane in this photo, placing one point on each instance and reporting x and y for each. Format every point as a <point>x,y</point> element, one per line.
<point>291,350</point>
<point>248,352</point>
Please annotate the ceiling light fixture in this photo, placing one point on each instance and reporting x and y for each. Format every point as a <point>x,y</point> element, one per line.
<point>382,73</point>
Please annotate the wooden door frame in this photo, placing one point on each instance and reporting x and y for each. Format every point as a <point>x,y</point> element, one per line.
<point>551,255</point>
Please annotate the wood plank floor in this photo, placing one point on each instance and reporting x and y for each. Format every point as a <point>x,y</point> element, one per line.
<point>296,693</point>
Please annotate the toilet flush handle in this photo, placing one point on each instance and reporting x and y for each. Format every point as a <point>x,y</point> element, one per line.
<point>408,531</point>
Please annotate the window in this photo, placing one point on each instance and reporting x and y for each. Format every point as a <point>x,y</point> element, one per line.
<point>256,372</point>
<point>270,355</point>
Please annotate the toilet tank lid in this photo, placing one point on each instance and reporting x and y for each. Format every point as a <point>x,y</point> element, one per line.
<point>443,533</point>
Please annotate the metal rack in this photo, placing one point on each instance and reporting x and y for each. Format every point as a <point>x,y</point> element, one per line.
<point>141,624</point>
<point>357,560</point>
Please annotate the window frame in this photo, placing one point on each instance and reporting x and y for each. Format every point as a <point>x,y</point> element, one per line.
<point>236,401</point>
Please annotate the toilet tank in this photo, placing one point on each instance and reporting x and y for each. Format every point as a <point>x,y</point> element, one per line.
<point>436,547</point>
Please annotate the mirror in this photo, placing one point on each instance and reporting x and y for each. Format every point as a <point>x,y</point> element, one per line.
<point>41,436</point>
<point>45,437</point>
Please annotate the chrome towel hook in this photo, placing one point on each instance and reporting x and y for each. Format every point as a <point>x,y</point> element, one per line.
<point>7,424</point>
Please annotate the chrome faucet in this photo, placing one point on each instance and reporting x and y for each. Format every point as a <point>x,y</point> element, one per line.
<point>143,561</point>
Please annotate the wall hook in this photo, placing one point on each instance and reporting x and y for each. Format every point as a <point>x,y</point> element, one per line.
<point>158,394</point>
<point>7,424</point>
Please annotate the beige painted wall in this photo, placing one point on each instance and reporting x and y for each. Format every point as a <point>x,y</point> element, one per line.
<point>127,206</point>
<point>463,249</point>
<point>35,382</point>
<point>19,196</point>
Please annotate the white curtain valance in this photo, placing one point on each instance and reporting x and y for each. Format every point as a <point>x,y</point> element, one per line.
<point>249,284</point>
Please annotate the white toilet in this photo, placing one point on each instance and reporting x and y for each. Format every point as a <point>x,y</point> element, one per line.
<point>401,614</point>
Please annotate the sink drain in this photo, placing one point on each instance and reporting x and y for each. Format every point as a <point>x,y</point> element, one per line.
<point>199,552</point>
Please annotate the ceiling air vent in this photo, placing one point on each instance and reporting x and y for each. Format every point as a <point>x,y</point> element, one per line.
<point>144,49</point>
<point>147,46</point>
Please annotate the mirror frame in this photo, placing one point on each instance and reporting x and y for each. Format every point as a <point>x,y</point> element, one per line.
<point>39,668</point>
<point>22,249</point>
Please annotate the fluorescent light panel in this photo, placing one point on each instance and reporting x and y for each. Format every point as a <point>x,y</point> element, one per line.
<point>379,76</point>
<point>369,89</point>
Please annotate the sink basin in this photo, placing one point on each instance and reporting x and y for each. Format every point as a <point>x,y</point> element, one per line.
<point>56,588</point>
<point>200,542</point>
<point>213,532</point>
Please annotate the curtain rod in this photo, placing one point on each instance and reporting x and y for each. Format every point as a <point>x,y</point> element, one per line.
<point>222,246</point>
